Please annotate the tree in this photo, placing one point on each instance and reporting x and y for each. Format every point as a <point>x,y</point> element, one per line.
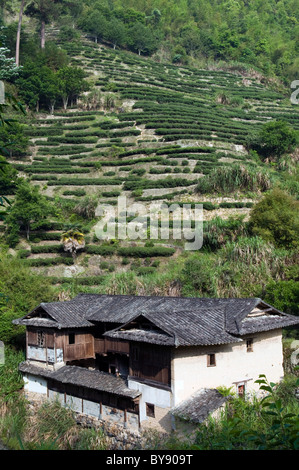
<point>21,291</point>
<point>28,210</point>
<point>19,32</point>
<point>155,17</point>
<point>73,240</point>
<point>8,179</point>
<point>191,39</point>
<point>86,208</point>
<point>45,11</point>
<point>95,24</point>
<point>50,90</point>
<point>141,39</point>
<point>8,67</point>
<point>53,56</point>
<point>275,139</point>
<point>38,85</point>
<point>116,32</point>
<point>29,85</point>
<point>71,83</point>
<point>284,295</point>
<point>276,219</point>
<point>7,173</point>
<point>13,138</point>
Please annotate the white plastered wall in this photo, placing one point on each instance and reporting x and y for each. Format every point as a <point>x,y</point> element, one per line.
<point>153,395</point>
<point>35,384</point>
<point>233,364</point>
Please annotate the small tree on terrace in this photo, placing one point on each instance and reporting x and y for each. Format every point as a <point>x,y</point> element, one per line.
<point>71,84</point>
<point>116,33</point>
<point>95,24</point>
<point>141,39</point>
<point>28,210</point>
<point>14,139</point>
<point>73,240</point>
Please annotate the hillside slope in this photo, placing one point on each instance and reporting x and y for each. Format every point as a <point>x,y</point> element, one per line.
<point>150,132</point>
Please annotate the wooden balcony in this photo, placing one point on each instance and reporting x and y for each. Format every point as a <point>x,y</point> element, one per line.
<point>74,352</point>
<point>104,346</point>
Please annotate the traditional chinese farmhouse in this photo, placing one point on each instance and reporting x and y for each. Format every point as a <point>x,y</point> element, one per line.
<point>150,361</point>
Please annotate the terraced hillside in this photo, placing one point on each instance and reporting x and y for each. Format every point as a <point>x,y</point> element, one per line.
<point>150,132</point>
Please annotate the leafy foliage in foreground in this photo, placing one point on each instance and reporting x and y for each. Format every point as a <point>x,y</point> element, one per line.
<point>21,290</point>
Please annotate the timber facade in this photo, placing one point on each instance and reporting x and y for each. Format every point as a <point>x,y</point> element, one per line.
<point>150,361</point>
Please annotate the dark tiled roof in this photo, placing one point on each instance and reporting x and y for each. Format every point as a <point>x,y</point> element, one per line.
<point>266,323</point>
<point>181,320</point>
<point>144,336</point>
<point>29,368</point>
<point>184,328</point>
<point>94,379</point>
<point>199,406</point>
<point>36,321</point>
<point>81,376</point>
<point>68,314</point>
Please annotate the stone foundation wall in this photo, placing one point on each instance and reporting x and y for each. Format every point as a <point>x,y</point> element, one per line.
<point>118,437</point>
<point>93,410</point>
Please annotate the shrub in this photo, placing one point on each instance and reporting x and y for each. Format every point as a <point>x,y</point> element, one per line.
<point>144,252</point>
<point>46,248</point>
<point>49,261</point>
<point>198,277</point>
<point>276,219</point>
<point>275,139</point>
<point>111,193</point>
<point>284,295</point>
<point>104,250</point>
<point>74,192</point>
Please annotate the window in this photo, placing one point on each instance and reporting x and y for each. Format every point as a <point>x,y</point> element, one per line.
<point>41,339</point>
<point>72,338</point>
<point>241,390</point>
<point>211,360</point>
<point>150,410</point>
<point>249,345</point>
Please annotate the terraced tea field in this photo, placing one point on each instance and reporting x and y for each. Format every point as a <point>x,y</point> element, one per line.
<point>158,130</point>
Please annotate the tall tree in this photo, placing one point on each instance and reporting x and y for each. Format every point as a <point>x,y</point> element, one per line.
<point>19,32</point>
<point>8,176</point>
<point>45,11</point>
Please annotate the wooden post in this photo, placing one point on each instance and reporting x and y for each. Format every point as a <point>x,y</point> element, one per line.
<point>26,343</point>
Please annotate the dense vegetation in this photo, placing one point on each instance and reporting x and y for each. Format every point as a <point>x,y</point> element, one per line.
<point>164,102</point>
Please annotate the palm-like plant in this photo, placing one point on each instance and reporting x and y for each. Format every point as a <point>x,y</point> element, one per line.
<point>73,240</point>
